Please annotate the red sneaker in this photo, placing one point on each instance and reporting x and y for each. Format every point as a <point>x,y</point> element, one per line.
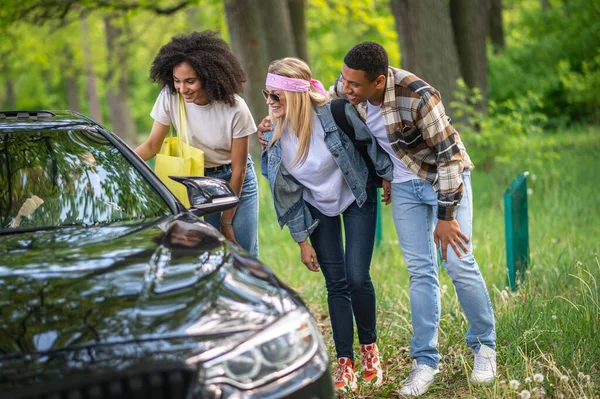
<point>344,378</point>
<point>371,364</point>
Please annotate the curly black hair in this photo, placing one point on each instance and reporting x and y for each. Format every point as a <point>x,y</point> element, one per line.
<point>218,69</point>
<point>370,57</point>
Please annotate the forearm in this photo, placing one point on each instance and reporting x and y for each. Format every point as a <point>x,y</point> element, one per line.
<point>437,132</point>
<point>236,182</point>
<point>450,189</point>
<point>449,194</point>
<point>379,158</point>
<point>146,151</point>
<point>152,145</point>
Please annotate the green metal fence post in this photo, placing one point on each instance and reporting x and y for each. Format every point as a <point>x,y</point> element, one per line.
<point>517,229</point>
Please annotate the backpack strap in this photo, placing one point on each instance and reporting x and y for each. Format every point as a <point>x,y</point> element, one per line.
<point>338,112</point>
<point>339,116</point>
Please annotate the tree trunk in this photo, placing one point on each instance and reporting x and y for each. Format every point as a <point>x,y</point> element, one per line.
<point>545,4</point>
<point>118,82</point>
<point>496,25</point>
<point>92,92</point>
<point>248,44</point>
<point>427,43</point>
<point>297,14</point>
<point>274,15</point>
<point>10,97</point>
<point>469,23</point>
<point>70,73</point>
<point>72,93</point>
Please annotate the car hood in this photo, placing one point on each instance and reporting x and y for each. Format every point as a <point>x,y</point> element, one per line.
<point>170,287</point>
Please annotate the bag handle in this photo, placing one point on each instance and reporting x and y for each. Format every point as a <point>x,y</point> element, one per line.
<point>339,116</point>
<point>182,118</point>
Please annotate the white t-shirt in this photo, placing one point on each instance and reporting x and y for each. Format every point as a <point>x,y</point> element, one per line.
<point>324,184</point>
<point>376,125</point>
<point>211,127</point>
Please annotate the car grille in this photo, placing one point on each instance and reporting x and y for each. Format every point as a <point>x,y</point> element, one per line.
<point>175,383</point>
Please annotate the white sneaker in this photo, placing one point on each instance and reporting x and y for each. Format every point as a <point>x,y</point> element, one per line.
<point>420,378</point>
<point>484,369</point>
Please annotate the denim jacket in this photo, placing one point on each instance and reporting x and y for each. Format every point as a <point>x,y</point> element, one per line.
<point>287,191</point>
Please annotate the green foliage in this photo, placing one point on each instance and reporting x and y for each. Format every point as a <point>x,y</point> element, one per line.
<point>547,52</point>
<point>335,26</point>
<point>582,86</point>
<point>493,138</point>
<point>547,76</point>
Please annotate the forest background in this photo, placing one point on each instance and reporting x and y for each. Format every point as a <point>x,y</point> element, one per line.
<point>520,79</point>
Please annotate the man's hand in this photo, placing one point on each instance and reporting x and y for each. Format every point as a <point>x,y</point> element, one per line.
<point>308,256</point>
<point>264,126</point>
<point>447,232</point>
<point>386,197</point>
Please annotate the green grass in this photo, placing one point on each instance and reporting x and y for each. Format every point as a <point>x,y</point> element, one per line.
<point>549,326</point>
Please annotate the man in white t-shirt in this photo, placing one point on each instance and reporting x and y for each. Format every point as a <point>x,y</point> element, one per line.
<point>432,204</point>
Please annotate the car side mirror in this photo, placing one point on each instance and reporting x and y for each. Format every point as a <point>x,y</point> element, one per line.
<point>207,194</point>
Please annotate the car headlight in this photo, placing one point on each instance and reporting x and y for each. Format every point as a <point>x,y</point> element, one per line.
<point>278,350</point>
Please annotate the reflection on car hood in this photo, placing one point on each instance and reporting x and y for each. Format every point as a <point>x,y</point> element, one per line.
<point>165,288</point>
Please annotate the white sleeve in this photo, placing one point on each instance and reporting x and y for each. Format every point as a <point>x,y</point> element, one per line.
<point>242,124</point>
<point>161,112</point>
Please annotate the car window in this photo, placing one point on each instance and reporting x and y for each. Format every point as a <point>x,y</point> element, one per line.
<point>66,178</point>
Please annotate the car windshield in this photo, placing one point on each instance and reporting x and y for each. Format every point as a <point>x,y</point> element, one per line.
<point>69,178</point>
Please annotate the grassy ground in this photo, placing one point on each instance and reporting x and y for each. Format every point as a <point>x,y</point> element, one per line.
<point>547,330</point>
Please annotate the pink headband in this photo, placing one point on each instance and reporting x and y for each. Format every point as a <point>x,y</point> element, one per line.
<point>295,85</point>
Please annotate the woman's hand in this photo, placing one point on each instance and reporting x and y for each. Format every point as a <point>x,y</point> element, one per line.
<point>227,230</point>
<point>386,196</point>
<point>308,256</point>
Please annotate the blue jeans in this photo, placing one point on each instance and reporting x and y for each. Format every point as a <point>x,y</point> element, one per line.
<point>245,220</point>
<point>347,272</point>
<point>414,206</point>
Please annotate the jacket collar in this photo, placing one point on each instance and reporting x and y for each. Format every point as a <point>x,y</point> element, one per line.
<point>324,114</point>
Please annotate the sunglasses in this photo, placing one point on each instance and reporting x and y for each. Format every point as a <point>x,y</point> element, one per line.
<point>274,96</point>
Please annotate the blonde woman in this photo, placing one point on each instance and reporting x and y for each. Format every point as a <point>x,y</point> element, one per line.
<point>317,178</point>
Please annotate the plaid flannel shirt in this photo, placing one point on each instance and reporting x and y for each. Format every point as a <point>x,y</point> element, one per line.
<point>421,135</point>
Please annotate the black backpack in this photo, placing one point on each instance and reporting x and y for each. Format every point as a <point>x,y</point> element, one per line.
<point>339,116</point>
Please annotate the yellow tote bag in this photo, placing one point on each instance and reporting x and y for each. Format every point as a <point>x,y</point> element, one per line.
<point>179,158</point>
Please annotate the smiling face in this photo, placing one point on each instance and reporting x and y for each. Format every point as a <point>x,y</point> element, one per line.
<point>358,88</point>
<point>278,109</point>
<point>187,83</point>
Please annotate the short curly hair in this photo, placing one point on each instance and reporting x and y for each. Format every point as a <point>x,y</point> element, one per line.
<point>218,69</point>
<point>370,57</point>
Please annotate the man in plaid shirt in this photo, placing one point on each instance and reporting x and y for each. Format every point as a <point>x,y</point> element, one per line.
<point>431,203</point>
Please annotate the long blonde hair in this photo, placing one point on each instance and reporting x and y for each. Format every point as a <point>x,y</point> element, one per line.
<point>299,106</point>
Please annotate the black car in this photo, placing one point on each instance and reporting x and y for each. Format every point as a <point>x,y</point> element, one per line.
<point>110,288</point>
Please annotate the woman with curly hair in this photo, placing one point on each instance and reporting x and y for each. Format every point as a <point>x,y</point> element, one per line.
<point>208,76</point>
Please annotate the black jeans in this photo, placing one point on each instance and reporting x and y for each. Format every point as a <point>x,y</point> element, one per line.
<point>347,271</point>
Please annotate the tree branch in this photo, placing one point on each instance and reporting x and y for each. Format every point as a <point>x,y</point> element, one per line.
<point>43,11</point>
<point>120,5</point>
